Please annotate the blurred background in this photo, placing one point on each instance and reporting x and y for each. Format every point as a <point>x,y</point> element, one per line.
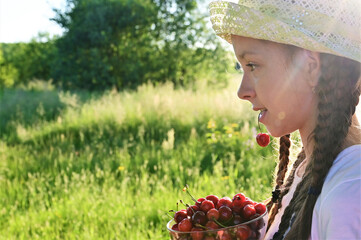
<point>108,108</point>
<point>100,45</point>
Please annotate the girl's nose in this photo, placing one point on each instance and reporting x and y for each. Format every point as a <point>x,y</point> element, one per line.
<point>246,89</point>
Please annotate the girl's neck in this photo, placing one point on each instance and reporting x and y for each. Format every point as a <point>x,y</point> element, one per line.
<point>307,142</point>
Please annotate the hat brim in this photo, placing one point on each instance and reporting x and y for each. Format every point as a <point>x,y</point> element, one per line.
<point>234,19</point>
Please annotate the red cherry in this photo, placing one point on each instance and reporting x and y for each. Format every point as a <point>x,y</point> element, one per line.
<point>239,197</point>
<point>237,208</point>
<point>260,208</point>
<point>211,225</point>
<point>246,202</point>
<point>237,220</point>
<point>180,215</point>
<point>225,201</point>
<point>199,218</point>
<point>263,139</point>
<point>207,205</point>
<point>199,202</point>
<point>259,224</point>
<point>213,198</point>
<point>225,213</point>
<point>191,210</point>
<point>209,238</point>
<point>197,233</point>
<point>224,235</point>
<point>237,202</point>
<point>175,227</point>
<point>243,232</point>
<point>248,211</point>
<point>254,225</point>
<point>213,214</point>
<point>185,225</point>
<point>255,235</point>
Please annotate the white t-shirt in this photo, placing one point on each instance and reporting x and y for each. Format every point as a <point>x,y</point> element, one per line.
<point>337,212</point>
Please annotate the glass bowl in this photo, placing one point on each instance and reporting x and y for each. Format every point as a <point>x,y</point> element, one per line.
<point>256,229</point>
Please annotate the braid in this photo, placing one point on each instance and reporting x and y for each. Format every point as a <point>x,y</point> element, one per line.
<point>292,207</point>
<point>338,98</point>
<point>284,153</point>
<point>286,187</point>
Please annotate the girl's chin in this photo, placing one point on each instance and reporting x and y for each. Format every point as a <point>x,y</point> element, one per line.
<point>277,127</point>
<point>276,132</point>
<point>277,135</point>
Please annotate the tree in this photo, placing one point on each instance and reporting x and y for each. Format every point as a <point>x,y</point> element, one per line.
<point>23,62</point>
<point>8,73</point>
<point>38,57</point>
<point>123,43</point>
<point>99,43</point>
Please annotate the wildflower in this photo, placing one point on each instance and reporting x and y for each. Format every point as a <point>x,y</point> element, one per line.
<point>211,124</point>
<point>121,168</point>
<point>229,131</point>
<point>224,178</point>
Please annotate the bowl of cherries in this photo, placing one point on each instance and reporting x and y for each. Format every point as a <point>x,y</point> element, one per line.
<point>214,218</point>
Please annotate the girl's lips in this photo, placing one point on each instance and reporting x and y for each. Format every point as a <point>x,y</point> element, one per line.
<point>262,115</point>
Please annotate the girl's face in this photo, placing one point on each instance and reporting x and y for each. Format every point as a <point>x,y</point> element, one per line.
<point>278,85</point>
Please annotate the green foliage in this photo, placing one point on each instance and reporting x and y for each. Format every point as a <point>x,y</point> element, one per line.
<point>109,166</point>
<point>38,58</point>
<point>122,44</point>
<point>8,73</point>
<point>98,49</point>
<point>22,62</point>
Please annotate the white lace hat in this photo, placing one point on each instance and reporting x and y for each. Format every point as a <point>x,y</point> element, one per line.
<point>329,26</point>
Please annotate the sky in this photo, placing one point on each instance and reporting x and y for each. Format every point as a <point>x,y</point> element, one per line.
<point>22,20</point>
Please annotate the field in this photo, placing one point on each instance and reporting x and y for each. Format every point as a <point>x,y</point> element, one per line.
<point>110,165</point>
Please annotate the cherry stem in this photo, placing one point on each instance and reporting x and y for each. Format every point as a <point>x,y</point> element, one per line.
<point>186,205</point>
<point>259,115</point>
<point>187,191</point>
<point>168,215</point>
<point>220,224</point>
<point>201,226</point>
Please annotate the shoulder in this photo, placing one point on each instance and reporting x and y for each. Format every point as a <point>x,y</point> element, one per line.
<point>347,166</point>
<point>344,173</point>
<point>337,213</point>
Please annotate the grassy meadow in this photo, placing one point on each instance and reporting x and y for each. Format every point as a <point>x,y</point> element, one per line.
<point>110,165</point>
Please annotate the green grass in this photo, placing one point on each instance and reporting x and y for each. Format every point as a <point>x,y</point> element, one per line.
<point>109,166</point>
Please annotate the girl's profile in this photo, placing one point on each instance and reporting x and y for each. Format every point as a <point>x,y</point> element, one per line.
<point>301,72</point>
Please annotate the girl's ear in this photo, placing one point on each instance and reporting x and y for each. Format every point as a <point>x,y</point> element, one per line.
<point>313,67</point>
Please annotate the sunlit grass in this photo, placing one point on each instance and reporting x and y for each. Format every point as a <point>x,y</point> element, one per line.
<point>109,166</point>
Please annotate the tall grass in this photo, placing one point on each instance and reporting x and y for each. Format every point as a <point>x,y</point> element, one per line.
<point>109,166</point>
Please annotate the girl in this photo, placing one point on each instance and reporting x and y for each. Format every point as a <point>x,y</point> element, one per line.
<point>301,62</point>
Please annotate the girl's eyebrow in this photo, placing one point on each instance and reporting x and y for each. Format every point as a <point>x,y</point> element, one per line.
<point>241,56</point>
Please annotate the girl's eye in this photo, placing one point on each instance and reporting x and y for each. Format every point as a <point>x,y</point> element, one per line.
<point>252,66</point>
